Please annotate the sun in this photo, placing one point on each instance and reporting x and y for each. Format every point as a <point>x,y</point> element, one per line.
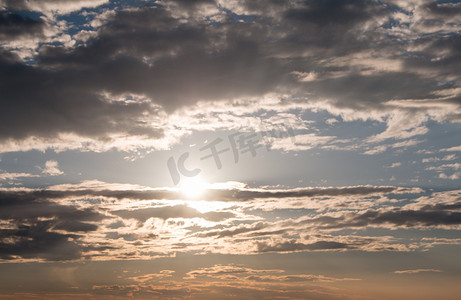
<point>193,187</point>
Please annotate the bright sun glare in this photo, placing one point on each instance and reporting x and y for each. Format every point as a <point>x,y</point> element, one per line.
<point>193,187</point>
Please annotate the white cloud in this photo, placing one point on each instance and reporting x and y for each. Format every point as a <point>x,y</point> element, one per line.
<point>453,176</point>
<point>301,142</point>
<point>455,148</point>
<point>394,165</point>
<point>14,176</point>
<point>51,168</point>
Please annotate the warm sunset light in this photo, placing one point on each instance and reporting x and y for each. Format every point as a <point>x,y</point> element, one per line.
<point>230,149</point>
<point>193,187</point>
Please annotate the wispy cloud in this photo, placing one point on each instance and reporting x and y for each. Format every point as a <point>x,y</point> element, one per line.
<point>416,271</point>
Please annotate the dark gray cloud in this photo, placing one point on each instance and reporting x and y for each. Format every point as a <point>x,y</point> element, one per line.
<point>184,66</point>
<point>373,90</point>
<point>443,9</point>
<point>13,25</point>
<point>167,212</point>
<point>439,215</point>
<point>127,237</point>
<point>249,194</point>
<point>438,55</point>
<point>33,227</point>
<point>244,194</point>
<point>37,241</point>
<point>335,12</point>
<point>55,102</point>
<point>193,4</point>
<point>293,245</point>
<point>400,218</point>
<point>25,206</point>
<point>67,98</point>
<point>234,231</point>
<point>150,51</point>
<point>14,4</point>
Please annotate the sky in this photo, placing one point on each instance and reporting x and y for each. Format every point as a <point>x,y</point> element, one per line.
<point>240,149</point>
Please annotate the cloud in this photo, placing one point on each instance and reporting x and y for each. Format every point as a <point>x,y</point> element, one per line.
<point>35,228</point>
<point>251,194</point>
<point>237,272</point>
<point>394,165</point>
<point>50,6</point>
<point>453,176</point>
<point>167,212</point>
<point>435,216</point>
<point>218,271</point>
<point>455,148</point>
<point>14,25</point>
<point>235,231</point>
<point>233,192</point>
<point>301,142</point>
<point>454,166</point>
<point>18,205</point>
<point>291,246</point>
<point>433,159</point>
<point>239,281</point>
<point>98,220</point>
<point>51,168</point>
<point>416,271</point>
<point>14,176</point>
<point>75,217</point>
<point>37,242</point>
<point>71,105</point>
<point>120,87</point>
